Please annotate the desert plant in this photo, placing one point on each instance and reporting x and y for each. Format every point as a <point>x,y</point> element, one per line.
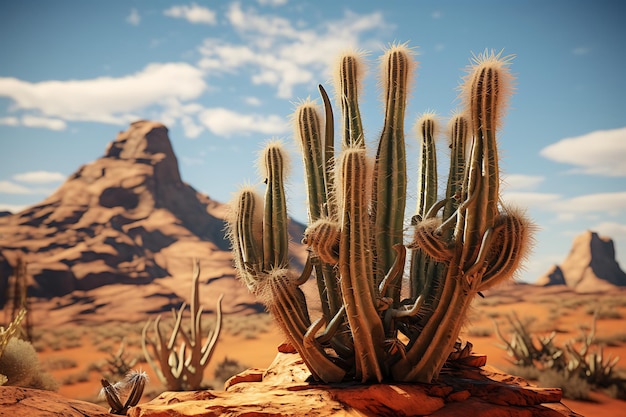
<point>356,207</point>
<point>580,367</point>
<point>181,363</point>
<point>227,368</point>
<point>16,299</point>
<point>132,385</point>
<point>118,363</point>
<point>19,366</point>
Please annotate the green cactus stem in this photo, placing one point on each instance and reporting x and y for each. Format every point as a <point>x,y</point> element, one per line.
<point>348,78</point>
<point>422,273</point>
<point>355,264</point>
<point>390,177</point>
<point>275,224</point>
<point>246,234</point>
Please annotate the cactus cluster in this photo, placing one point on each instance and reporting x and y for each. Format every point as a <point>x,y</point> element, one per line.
<point>369,328</point>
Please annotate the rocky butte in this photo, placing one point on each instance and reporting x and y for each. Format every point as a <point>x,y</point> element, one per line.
<point>124,219</point>
<point>590,266</point>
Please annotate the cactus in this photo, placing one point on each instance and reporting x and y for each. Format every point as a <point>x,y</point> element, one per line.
<point>181,364</point>
<point>133,385</point>
<point>356,204</point>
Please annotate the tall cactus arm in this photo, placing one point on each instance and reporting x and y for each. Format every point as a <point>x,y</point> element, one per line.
<point>486,91</point>
<point>355,265</point>
<point>348,76</point>
<point>275,223</point>
<point>389,177</point>
<point>427,126</point>
<point>309,134</point>
<point>245,230</point>
<point>458,128</point>
<point>421,276</point>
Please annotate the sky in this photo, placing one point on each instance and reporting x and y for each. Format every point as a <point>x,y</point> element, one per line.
<point>224,77</point>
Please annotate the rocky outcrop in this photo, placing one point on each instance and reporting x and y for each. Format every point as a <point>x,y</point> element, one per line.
<point>125,219</point>
<point>590,266</point>
<point>16,401</point>
<point>284,390</point>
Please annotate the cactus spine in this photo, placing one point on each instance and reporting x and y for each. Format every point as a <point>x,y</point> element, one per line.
<point>356,206</point>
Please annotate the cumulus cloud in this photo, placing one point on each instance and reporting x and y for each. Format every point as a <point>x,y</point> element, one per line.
<point>104,99</point>
<point>39,177</point>
<point>281,55</point>
<point>522,181</point>
<point>601,152</point>
<point>13,208</point>
<point>611,203</point>
<point>9,121</point>
<point>133,18</point>
<point>10,187</point>
<point>272,2</point>
<point>43,122</point>
<point>193,14</point>
<point>227,122</point>
<point>531,200</point>
<point>610,229</point>
<point>252,101</point>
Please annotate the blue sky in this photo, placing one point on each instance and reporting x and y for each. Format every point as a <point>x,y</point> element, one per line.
<point>224,76</point>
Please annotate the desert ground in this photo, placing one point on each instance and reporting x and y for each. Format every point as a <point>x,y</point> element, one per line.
<point>75,354</point>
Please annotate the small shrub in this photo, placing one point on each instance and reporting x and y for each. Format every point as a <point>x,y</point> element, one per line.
<point>20,364</point>
<point>574,387</point>
<point>480,331</point>
<point>60,363</point>
<point>226,369</point>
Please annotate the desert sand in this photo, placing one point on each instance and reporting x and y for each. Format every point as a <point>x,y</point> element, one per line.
<point>252,340</point>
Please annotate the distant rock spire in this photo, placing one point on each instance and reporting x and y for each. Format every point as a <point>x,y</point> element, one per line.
<point>590,266</point>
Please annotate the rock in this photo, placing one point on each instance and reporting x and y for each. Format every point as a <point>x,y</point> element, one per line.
<point>126,219</point>
<point>590,266</point>
<point>284,389</point>
<point>16,401</point>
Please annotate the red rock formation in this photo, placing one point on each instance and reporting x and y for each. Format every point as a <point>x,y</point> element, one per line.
<point>126,218</point>
<point>283,390</point>
<point>16,401</point>
<point>590,266</point>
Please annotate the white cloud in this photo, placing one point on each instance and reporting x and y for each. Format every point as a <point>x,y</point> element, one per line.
<point>43,122</point>
<point>103,99</point>
<point>521,181</point>
<point>39,177</point>
<point>9,187</point>
<point>611,203</point>
<point>542,201</point>
<point>133,18</point>
<point>281,55</point>
<point>610,229</point>
<point>601,152</point>
<point>252,101</point>
<point>193,14</point>
<point>226,122</point>
<point>13,208</point>
<point>191,128</point>
<point>272,2</point>
<point>9,121</point>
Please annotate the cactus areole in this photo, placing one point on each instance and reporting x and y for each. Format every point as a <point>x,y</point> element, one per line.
<point>459,245</point>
